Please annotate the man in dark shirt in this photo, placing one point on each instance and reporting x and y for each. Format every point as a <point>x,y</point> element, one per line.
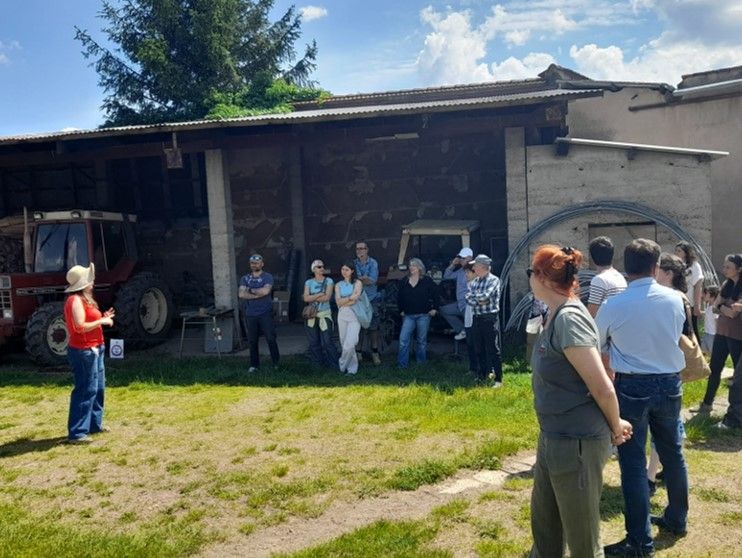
<point>255,292</point>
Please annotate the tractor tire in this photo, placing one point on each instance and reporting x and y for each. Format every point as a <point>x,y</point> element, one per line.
<point>46,335</point>
<point>144,310</point>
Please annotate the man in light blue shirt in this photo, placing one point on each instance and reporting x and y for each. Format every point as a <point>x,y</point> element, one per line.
<point>367,271</point>
<point>640,329</point>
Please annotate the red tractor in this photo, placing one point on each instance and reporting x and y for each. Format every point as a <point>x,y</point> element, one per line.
<point>32,302</point>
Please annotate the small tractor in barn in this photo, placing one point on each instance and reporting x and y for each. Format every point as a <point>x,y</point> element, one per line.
<point>32,301</point>
<point>435,243</point>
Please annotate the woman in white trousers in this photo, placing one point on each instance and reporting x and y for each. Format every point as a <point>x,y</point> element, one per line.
<point>347,293</point>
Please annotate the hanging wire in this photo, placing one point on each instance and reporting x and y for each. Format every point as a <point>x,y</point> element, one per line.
<point>519,313</point>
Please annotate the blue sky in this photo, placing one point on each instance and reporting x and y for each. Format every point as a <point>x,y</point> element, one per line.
<point>46,85</point>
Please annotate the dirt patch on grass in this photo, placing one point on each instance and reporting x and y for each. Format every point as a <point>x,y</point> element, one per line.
<point>342,517</point>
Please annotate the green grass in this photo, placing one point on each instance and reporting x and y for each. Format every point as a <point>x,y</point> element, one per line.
<point>202,453</point>
<point>23,534</point>
<point>405,539</point>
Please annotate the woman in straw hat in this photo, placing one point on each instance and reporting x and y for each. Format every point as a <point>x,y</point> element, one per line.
<point>85,352</point>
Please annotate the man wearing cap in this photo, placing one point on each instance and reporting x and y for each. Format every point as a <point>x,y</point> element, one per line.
<point>484,298</point>
<point>454,312</point>
<point>255,291</point>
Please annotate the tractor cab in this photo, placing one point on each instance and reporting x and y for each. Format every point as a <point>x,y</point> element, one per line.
<point>32,301</point>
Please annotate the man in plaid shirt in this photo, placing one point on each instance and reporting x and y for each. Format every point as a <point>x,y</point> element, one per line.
<point>484,298</point>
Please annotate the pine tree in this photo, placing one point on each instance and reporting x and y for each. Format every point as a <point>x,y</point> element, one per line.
<point>179,60</point>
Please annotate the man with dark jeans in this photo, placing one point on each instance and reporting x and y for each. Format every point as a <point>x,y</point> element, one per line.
<point>255,291</point>
<point>639,330</point>
<point>484,298</point>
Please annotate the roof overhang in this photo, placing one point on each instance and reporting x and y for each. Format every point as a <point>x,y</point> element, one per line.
<point>563,145</point>
<point>318,115</point>
<point>709,90</point>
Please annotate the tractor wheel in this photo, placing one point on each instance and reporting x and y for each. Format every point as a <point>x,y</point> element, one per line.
<point>46,335</point>
<point>144,310</point>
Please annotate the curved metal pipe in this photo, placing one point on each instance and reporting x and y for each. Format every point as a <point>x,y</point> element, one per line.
<point>617,206</point>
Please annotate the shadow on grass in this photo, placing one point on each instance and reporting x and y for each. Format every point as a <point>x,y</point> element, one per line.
<point>611,502</point>
<point>24,445</point>
<point>294,371</point>
<point>704,434</point>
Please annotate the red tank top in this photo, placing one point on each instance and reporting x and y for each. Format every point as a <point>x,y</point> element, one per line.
<point>81,339</point>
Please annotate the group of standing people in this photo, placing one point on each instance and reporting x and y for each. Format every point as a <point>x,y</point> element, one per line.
<point>610,373</point>
<point>474,315</point>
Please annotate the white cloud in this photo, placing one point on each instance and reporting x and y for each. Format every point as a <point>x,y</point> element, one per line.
<point>310,13</point>
<point>661,60</point>
<point>517,38</point>
<point>695,35</point>
<point>453,49</point>
<point>717,22</point>
<point>514,68</point>
<point>5,48</point>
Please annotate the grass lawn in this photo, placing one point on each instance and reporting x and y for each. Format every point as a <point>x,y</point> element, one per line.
<point>202,455</point>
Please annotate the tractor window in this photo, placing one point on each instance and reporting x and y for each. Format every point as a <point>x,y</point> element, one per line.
<point>115,244</point>
<point>59,246</point>
<point>109,245</point>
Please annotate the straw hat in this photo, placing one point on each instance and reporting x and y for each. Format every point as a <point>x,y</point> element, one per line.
<point>80,277</point>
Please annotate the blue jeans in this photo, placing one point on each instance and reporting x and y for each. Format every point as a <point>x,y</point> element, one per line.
<point>322,348</point>
<point>651,402</point>
<point>419,324</point>
<point>86,402</point>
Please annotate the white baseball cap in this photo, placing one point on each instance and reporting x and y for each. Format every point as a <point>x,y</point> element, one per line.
<point>466,253</point>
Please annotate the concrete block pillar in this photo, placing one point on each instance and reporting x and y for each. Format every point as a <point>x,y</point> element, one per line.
<point>516,181</point>
<point>223,258</point>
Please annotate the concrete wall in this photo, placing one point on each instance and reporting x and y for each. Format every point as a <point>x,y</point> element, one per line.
<point>676,185</point>
<point>711,124</point>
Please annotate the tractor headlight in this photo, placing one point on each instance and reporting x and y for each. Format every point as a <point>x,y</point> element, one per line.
<point>7,314</point>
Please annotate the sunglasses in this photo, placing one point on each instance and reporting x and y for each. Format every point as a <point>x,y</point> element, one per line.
<point>319,267</point>
<point>529,272</point>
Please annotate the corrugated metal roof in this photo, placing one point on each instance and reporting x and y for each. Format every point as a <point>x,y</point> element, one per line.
<point>422,94</point>
<point>316,115</point>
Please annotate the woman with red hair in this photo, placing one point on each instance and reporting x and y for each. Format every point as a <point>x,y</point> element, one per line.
<point>577,411</point>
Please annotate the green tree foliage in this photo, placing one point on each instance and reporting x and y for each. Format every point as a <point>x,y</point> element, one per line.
<point>179,60</point>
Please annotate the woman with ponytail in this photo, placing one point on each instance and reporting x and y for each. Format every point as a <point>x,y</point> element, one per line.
<point>577,411</point>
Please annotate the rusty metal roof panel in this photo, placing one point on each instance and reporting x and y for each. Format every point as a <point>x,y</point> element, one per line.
<point>316,115</point>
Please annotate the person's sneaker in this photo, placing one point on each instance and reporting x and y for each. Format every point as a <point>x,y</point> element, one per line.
<point>723,426</point>
<point>104,430</point>
<point>625,548</point>
<point>497,385</point>
<point>660,522</point>
<point>702,409</point>
<point>252,370</point>
<point>80,441</point>
<point>376,357</point>
<point>460,336</point>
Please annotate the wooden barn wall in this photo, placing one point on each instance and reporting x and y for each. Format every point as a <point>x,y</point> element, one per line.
<point>357,186</point>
